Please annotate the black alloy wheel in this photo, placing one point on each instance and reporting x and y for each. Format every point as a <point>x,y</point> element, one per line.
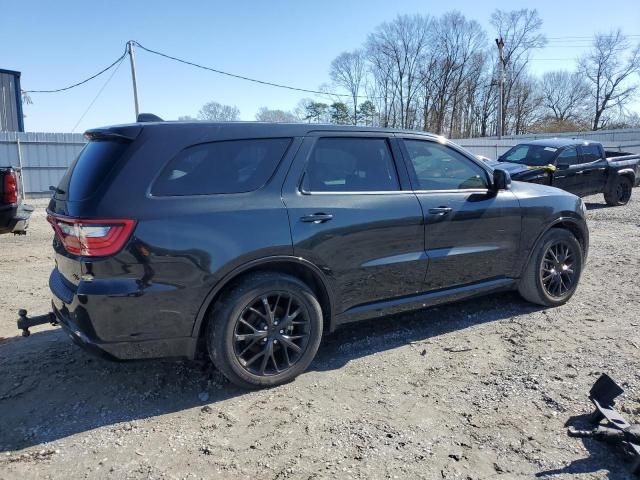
<point>553,270</point>
<point>623,192</point>
<point>265,329</point>
<point>271,334</point>
<point>620,192</point>
<point>557,269</point>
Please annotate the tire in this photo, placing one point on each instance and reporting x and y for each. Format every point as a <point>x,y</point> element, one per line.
<point>548,283</point>
<point>257,344</point>
<point>619,193</point>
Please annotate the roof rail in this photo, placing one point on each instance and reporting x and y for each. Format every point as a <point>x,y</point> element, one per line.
<point>148,117</point>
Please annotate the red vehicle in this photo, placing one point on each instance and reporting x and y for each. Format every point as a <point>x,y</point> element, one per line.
<point>14,215</point>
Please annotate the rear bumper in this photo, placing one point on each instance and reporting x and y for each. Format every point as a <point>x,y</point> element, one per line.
<point>15,219</point>
<point>74,314</point>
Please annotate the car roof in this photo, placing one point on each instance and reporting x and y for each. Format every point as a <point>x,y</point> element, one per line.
<point>270,128</point>
<point>558,142</point>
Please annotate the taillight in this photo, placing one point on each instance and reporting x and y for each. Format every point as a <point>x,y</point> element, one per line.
<point>10,188</point>
<point>91,238</point>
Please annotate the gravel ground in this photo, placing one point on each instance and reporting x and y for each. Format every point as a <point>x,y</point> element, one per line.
<point>476,390</point>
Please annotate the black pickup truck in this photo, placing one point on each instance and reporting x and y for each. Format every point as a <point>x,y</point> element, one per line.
<point>14,215</point>
<point>580,167</point>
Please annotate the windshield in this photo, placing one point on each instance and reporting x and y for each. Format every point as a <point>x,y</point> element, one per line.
<point>534,155</point>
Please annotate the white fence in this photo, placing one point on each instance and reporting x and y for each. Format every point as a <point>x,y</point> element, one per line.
<point>44,157</point>
<point>627,140</point>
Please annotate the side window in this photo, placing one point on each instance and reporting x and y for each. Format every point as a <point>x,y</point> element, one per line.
<point>233,166</point>
<point>345,164</point>
<point>568,157</point>
<point>438,167</point>
<point>590,153</point>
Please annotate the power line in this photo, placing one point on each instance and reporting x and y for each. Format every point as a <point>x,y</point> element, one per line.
<point>98,94</point>
<point>589,37</point>
<point>81,82</point>
<point>242,77</point>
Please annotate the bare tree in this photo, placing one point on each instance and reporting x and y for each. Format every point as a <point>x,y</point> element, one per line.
<point>217,112</point>
<point>348,70</point>
<point>458,58</point>
<point>610,74</point>
<point>382,88</point>
<point>520,30</point>
<point>400,46</point>
<point>485,104</point>
<point>279,116</point>
<point>525,104</point>
<point>564,95</point>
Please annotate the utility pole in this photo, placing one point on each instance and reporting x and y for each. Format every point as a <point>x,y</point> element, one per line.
<point>500,44</point>
<point>133,77</point>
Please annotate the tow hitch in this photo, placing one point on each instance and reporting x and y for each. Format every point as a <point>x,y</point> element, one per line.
<point>616,430</point>
<point>24,322</point>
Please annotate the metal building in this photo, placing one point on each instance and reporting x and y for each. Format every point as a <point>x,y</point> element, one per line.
<point>11,119</point>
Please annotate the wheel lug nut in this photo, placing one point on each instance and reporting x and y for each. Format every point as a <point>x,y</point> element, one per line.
<point>281,332</point>
<point>275,341</point>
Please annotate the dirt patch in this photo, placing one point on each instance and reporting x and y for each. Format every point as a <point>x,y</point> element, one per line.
<point>474,390</point>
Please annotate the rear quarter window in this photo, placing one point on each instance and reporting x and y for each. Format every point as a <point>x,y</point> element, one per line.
<point>231,166</point>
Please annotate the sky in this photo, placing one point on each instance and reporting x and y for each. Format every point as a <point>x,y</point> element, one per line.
<point>57,43</point>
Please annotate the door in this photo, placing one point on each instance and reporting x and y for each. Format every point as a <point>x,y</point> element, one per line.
<point>471,232</point>
<point>566,175</point>
<point>350,216</point>
<point>593,168</point>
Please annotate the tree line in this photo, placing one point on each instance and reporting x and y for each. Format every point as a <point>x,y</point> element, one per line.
<point>441,74</point>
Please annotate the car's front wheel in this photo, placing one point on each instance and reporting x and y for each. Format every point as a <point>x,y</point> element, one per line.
<point>265,330</point>
<point>552,274</point>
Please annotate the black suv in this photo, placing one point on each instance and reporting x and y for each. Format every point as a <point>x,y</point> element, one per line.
<point>250,240</point>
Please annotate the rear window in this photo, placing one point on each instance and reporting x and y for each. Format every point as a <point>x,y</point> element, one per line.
<point>233,166</point>
<point>90,168</point>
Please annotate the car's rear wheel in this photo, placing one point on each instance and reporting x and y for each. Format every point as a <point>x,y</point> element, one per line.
<point>619,193</point>
<point>552,274</point>
<point>265,330</point>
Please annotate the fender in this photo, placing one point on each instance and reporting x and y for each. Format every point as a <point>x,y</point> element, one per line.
<point>623,172</point>
<point>576,222</point>
<point>628,172</point>
<point>317,272</point>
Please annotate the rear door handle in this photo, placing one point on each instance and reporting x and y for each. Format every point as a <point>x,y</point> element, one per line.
<point>440,210</point>
<point>316,218</point>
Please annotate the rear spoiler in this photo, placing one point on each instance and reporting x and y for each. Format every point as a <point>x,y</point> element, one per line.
<point>125,133</point>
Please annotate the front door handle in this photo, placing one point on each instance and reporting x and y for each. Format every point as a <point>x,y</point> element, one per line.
<point>440,210</point>
<point>316,218</point>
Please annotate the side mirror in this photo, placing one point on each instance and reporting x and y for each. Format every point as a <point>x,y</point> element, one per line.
<point>562,163</point>
<point>501,179</point>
